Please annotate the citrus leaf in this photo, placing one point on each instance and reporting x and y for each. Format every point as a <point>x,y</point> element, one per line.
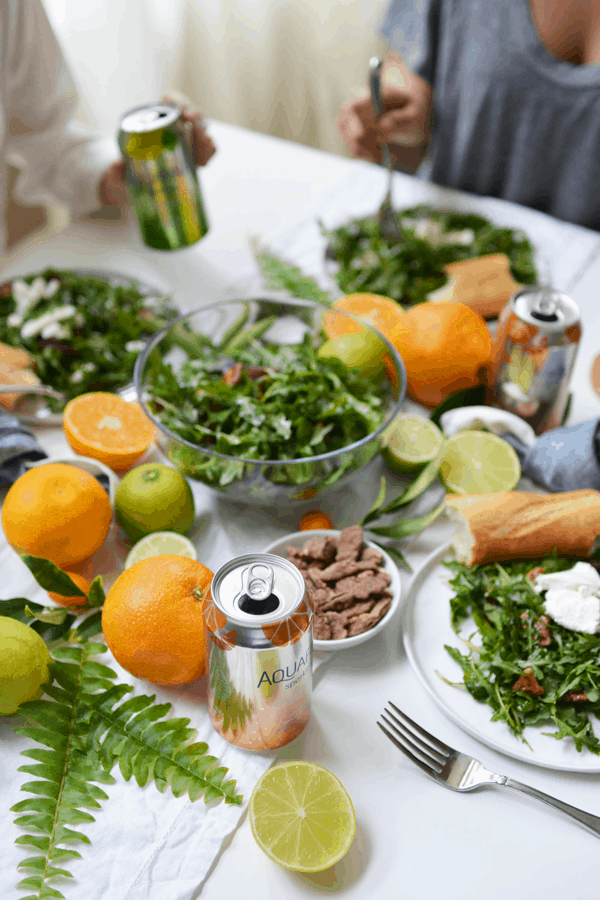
<point>374,511</point>
<point>52,616</point>
<point>50,577</point>
<point>96,596</point>
<point>399,558</point>
<point>406,527</point>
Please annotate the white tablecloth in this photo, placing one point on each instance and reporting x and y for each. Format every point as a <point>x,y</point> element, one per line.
<point>412,836</point>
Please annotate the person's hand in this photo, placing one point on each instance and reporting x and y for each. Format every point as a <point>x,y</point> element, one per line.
<point>112,185</point>
<point>405,124</point>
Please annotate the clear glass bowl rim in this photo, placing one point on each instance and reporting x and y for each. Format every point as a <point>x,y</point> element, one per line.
<point>291,302</point>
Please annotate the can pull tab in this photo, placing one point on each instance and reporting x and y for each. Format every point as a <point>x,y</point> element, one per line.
<point>545,309</point>
<point>257,597</point>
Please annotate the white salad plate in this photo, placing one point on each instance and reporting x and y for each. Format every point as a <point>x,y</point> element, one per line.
<point>426,629</point>
<point>299,539</point>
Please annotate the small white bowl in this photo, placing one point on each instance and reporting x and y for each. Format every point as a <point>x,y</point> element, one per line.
<point>299,539</point>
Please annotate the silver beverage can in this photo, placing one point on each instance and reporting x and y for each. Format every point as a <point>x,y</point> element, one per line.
<point>161,176</point>
<point>258,632</point>
<point>536,344</point>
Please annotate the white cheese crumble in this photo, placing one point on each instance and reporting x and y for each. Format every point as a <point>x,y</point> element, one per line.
<point>35,326</point>
<point>135,346</point>
<point>573,597</point>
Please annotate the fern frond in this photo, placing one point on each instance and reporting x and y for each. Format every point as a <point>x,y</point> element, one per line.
<point>85,728</point>
<point>65,775</point>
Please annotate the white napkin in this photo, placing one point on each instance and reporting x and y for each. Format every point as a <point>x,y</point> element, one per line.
<point>497,421</point>
<point>145,845</point>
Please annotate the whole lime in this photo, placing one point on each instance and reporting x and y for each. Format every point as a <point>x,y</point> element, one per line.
<point>364,352</point>
<point>154,497</point>
<point>24,659</point>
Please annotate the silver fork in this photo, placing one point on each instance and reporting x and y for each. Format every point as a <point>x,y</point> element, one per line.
<point>388,223</point>
<point>460,772</point>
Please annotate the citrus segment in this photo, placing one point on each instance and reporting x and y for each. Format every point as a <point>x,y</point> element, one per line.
<point>154,497</point>
<point>302,817</point>
<point>24,659</point>
<point>315,519</point>
<point>290,630</point>
<point>152,619</point>
<point>80,600</point>
<point>410,443</point>
<point>161,543</point>
<point>213,618</point>
<point>477,462</point>
<point>107,428</point>
<point>58,512</point>
<point>382,313</point>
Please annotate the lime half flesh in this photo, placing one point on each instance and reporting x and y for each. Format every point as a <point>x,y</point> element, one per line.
<point>410,443</point>
<point>161,543</point>
<point>477,462</point>
<point>301,816</point>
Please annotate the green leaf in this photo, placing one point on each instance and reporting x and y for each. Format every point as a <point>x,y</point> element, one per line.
<point>374,511</point>
<point>406,527</point>
<point>235,329</point>
<point>399,558</point>
<point>51,616</point>
<point>96,596</point>
<point>50,577</point>
<point>423,480</point>
<point>245,337</point>
<point>474,396</point>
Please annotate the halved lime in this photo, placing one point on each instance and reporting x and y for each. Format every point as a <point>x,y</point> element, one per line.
<point>477,462</point>
<point>410,443</point>
<point>161,543</point>
<point>301,816</point>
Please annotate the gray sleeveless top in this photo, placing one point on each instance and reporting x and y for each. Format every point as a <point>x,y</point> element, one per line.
<point>510,119</point>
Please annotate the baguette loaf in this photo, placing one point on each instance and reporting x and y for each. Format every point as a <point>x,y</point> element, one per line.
<point>519,525</point>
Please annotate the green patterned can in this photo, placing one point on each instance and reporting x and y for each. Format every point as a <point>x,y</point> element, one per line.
<point>161,176</point>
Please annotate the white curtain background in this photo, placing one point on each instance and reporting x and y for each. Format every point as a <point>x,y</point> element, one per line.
<point>282,67</point>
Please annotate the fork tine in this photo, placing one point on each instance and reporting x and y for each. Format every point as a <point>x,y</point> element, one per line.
<point>435,742</point>
<point>431,754</point>
<point>430,771</point>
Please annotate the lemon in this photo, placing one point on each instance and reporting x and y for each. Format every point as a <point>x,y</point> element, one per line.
<point>301,816</point>
<point>410,443</point>
<point>154,497</point>
<point>161,543</point>
<point>477,462</point>
<point>364,351</point>
<point>24,660</point>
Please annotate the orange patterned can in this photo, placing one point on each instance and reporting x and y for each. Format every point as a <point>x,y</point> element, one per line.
<point>258,631</point>
<point>535,348</point>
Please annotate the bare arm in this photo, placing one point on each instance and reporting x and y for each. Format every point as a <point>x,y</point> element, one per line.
<point>405,125</point>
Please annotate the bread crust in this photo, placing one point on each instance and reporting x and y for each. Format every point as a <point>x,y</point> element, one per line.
<point>520,525</point>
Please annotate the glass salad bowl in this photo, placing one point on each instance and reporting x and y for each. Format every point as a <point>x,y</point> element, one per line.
<point>270,401</point>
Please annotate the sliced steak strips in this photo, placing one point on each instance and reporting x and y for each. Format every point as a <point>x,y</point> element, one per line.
<point>366,620</point>
<point>348,584</point>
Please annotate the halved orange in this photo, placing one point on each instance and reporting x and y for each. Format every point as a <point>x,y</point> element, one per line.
<point>105,427</point>
<point>382,313</point>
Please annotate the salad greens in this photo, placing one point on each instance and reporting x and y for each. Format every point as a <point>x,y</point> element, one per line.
<point>410,268</point>
<point>91,332</point>
<point>507,612</point>
<point>282,403</point>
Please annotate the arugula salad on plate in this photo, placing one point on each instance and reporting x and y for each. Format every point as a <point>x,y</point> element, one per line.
<point>82,330</point>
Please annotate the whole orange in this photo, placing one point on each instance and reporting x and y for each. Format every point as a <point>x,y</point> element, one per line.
<point>382,313</point>
<point>152,619</point>
<point>80,600</point>
<point>444,347</point>
<point>56,511</point>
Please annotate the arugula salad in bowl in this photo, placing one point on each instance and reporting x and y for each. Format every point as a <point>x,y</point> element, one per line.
<point>260,403</point>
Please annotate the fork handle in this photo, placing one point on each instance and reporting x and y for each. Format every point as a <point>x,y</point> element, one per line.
<point>586,819</point>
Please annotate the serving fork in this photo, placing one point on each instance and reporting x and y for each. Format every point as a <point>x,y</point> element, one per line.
<point>458,771</point>
<point>388,223</point>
